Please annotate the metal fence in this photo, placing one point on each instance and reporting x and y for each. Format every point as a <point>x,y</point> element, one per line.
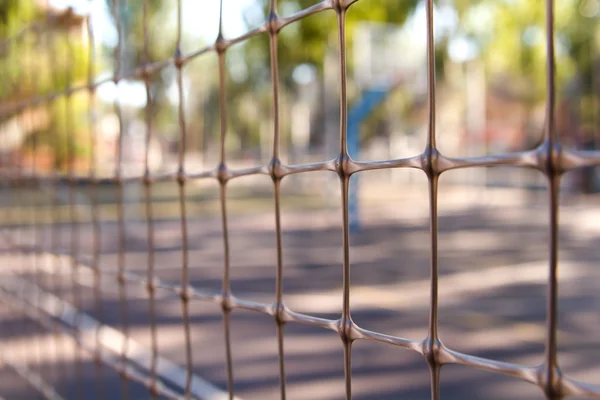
<point>59,311</point>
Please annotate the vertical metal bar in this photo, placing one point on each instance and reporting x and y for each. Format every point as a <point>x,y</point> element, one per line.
<point>55,228</point>
<point>346,320</point>
<point>93,194</point>
<point>223,177</point>
<point>30,48</point>
<point>431,344</point>
<point>151,287</point>
<point>8,328</point>
<point>26,241</point>
<point>275,162</point>
<point>552,374</point>
<point>116,5</point>
<point>432,340</point>
<point>70,137</point>
<point>431,142</point>
<point>185,298</point>
<point>5,189</point>
<point>18,199</point>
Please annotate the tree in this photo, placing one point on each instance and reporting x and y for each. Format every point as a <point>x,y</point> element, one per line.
<point>43,52</point>
<point>511,40</point>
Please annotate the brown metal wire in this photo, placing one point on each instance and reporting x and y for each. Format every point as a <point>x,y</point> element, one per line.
<point>55,282</point>
<point>275,163</point>
<point>118,67</point>
<point>431,344</point>
<point>19,234</point>
<point>150,287</point>
<point>35,243</point>
<point>93,195</point>
<point>550,158</point>
<point>185,298</point>
<point>73,217</point>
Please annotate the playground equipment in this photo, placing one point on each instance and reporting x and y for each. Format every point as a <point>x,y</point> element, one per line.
<point>398,57</point>
<point>370,99</point>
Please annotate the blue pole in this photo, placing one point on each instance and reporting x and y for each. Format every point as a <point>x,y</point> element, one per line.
<point>361,110</point>
<point>353,151</point>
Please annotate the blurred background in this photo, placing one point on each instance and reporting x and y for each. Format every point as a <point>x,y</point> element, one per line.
<point>490,70</point>
<point>493,249</point>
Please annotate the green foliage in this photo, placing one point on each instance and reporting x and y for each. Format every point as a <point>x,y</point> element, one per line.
<point>307,40</point>
<point>509,36</point>
<point>40,58</point>
<point>161,35</point>
<point>14,15</point>
<point>66,134</point>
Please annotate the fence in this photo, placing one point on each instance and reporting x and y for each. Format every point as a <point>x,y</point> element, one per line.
<point>32,284</point>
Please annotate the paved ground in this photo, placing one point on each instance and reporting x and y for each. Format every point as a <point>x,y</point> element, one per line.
<point>492,252</point>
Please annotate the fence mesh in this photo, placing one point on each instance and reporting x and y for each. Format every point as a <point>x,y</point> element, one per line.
<point>59,309</point>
